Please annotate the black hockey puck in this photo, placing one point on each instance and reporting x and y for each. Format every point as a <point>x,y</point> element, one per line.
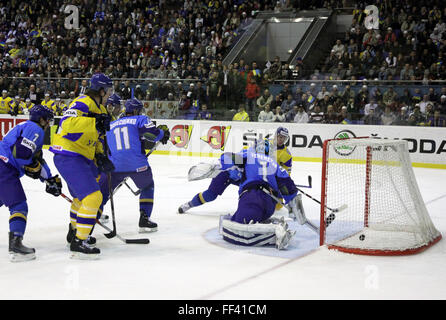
<point>362,237</point>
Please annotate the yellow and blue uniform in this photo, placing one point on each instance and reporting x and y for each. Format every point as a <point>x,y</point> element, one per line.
<point>282,156</point>
<point>5,104</point>
<point>51,104</point>
<point>75,145</point>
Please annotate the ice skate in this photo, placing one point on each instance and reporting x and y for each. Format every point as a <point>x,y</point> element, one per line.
<point>184,207</point>
<point>72,233</point>
<point>80,249</point>
<point>145,225</point>
<point>17,251</point>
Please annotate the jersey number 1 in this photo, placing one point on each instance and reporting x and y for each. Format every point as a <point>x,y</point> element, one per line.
<point>125,134</point>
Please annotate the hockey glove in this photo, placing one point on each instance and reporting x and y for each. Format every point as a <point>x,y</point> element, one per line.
<point>33,170</point>
<point>54,186</point>
<point>102,122</point>
<point>166,136</point>
<point>104,164</point>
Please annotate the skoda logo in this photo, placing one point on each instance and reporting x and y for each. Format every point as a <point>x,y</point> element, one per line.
<point>343,149</point>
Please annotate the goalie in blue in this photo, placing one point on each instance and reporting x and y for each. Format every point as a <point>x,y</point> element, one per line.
<point>127,152</point>
<point>21,154</point>
<point>262,184</point>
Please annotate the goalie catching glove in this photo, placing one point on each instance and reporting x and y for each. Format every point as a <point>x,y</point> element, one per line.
<point>54,186</point>
<point>166,132</point>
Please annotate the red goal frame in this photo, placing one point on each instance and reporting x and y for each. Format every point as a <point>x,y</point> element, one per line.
<point>367,195</point>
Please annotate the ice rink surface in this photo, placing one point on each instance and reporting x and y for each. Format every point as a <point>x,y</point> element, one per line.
<point>181,262</point>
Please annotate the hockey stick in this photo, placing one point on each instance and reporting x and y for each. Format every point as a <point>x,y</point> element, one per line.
<point>110,192</point>
<point>307,222</point>
<point>309,184</point>
<point>343,207</point>
<point>135,241</point>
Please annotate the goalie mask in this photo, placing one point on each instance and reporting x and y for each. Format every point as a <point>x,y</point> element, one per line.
<point>262,146</point>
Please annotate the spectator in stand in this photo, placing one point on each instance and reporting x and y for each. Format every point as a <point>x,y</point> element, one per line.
<point>291,114</point>
<point>417,116</point>
<point>344,117</point>
<point>372,118</point>
<point>288,104</point>
<point>265,99</point>
<point>331,116</point>
<point>317,115</point>
<point>278,115</point>
<point>252,92</point>
<point>436,120</point>
<point>442,105</point>
<point>204,114</point>
<point>387,118</point>
<point>369,106</point>
<point>338,49</point>
<point>301,115</point>
<point>402,118</point>
<point>266,115</point>
<point>241,115</point>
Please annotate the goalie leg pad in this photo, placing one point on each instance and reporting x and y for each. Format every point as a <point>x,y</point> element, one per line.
<point>256,234</point>
<point>297,210</point>
<point>248,234</point>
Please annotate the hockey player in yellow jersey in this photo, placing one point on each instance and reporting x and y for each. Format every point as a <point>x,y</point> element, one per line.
<point>279,151</point>
<point>59,107</point>
<point>79,156</point>
<point>48,102</point>
<point>28,105</point>
<point>16,106</point>
<point>5,103</point>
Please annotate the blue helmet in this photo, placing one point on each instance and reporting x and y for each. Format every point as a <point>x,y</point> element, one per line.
<point>281,131</point>
<point>100,81</point>
<point>133,104</point>
<point>262,146</point>
<point>114,100</point>
<point>38,111</point>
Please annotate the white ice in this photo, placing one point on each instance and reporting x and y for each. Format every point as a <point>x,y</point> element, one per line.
<point>180,263</point>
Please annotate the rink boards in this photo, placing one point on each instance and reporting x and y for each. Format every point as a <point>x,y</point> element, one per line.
<point>427,145</point>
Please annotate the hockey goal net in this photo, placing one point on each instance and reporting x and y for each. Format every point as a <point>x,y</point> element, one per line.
<point>384,212</point>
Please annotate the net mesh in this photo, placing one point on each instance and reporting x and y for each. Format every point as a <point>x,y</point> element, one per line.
<point>385,210</point>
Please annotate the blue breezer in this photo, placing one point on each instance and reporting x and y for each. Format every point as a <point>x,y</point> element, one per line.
<point>127,152</point>
<point>20,154</point>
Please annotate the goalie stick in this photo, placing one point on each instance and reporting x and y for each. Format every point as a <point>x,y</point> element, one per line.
<point>328,221</point>
<point>343,207</point>
<point>134,241</point>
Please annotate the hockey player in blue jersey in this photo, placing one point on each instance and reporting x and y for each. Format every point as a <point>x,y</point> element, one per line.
<point>262,183</point>
<point>21,154</point>
<point>125,141</point>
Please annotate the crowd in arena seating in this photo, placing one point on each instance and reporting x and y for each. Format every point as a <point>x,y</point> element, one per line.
<point>184,43</point>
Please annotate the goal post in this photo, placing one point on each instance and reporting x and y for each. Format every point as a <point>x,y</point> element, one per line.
<point>384,211</point>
